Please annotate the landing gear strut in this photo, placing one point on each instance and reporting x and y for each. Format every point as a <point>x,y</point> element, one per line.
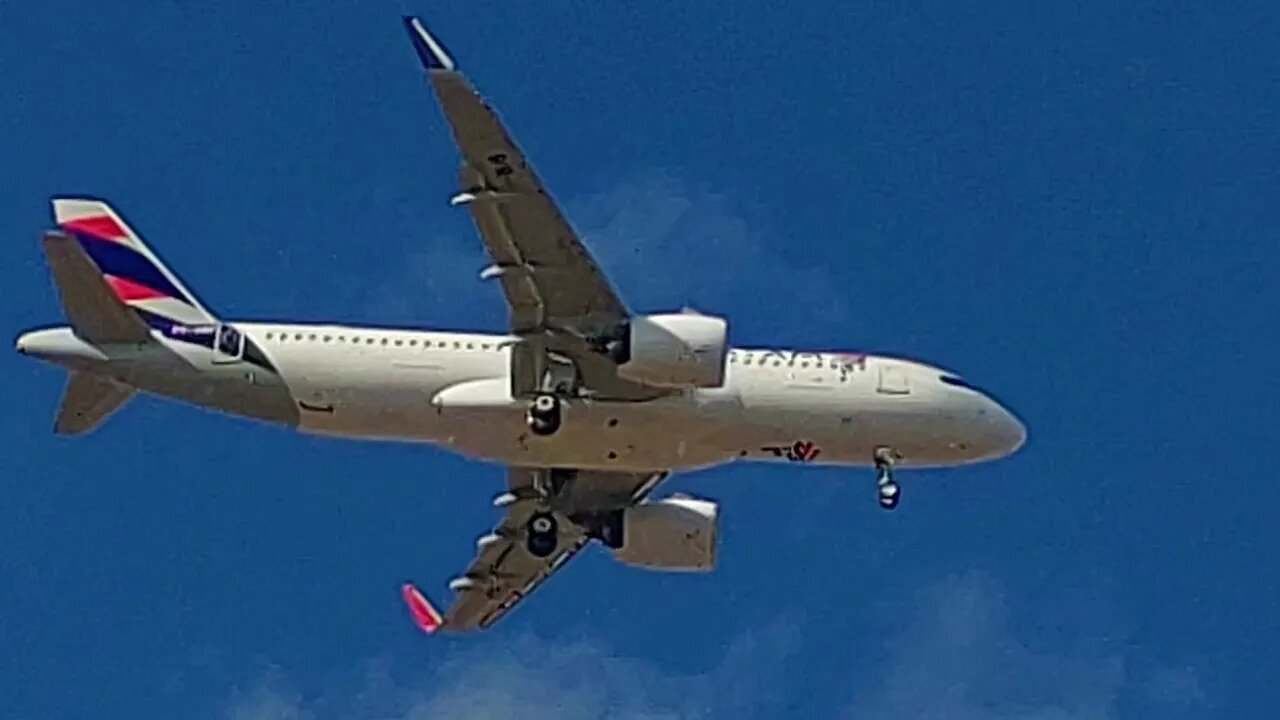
<point>543,416</point>
<point>888,491</point>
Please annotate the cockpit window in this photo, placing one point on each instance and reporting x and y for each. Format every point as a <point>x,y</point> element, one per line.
<point>958,382</point>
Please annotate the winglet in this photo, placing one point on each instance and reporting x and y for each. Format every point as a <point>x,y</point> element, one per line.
<point>424,614</point>
<point>430,51</point>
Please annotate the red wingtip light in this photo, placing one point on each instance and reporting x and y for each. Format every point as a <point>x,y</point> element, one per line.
<point>425,616</point>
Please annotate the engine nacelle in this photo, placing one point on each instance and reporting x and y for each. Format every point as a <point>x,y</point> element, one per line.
<point>676,534</point>
<point>676,351</point>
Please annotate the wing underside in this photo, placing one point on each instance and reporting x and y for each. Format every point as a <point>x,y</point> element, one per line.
<point>562,307</point>
<point>560,301</point>
<point>505,570</point>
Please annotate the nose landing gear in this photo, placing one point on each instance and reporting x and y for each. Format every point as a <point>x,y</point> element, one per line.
<point>888,491</point>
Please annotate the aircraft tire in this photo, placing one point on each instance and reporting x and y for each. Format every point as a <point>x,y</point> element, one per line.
<point>541,536</point>
<point>544,415</point>
<point>889,494</point>
<point>543,426</point>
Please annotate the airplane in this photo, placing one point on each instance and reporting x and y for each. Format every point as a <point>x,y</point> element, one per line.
<point>589,405</point>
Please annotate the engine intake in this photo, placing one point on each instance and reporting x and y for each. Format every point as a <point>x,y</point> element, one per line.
<point>683,350</point>
<point>676,534</point>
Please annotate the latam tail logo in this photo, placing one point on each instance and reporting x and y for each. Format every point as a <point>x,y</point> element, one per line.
<point>129,267</point>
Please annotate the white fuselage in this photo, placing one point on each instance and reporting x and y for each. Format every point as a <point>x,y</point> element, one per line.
<point>452,389</point>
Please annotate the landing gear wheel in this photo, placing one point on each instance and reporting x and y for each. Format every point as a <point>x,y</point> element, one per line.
<point>888,492</point>
<point>541,534</point>
<point>543,416</point>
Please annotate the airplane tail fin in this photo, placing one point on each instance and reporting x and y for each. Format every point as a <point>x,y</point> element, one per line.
<point>132,273</point>
<point>92,307</point>
<point>88,400</point>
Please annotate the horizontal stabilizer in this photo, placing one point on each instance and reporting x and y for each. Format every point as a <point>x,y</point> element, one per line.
<point>88,400</point>
<point>94,311</point>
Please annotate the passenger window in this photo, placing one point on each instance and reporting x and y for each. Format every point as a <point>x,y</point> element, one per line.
<point>327,338</point>
<point>399,342</point>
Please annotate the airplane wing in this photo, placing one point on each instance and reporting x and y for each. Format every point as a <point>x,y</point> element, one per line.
<point>504,571</point>
<point>558,296</point>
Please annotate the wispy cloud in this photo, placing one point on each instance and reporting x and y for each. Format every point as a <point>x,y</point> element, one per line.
<point>959,658</point>
<point>563,680</point>
<point>663,241</point>
<point>668,241</point>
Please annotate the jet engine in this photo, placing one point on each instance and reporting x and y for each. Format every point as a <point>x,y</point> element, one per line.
<point>676,534</point>
<point>676,351</point>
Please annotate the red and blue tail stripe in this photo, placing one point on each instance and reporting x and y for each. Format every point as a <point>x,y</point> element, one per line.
<point>129,267</point>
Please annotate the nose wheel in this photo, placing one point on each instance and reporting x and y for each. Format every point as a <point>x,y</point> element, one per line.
<point>888,492</point>
<point>543,416</point>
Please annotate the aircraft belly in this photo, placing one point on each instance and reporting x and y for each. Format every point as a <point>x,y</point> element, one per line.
<point>363,394</point>
<point>397,407</point>
<point>593,435</point>
<point>256,394</point>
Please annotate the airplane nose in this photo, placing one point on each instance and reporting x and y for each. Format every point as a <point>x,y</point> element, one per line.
<point>993,431</point>
<point>1008,431</point>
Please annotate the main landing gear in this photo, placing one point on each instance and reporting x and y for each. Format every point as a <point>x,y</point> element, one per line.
<point>888,491</point>
<point>542,528</point>
<point>541,534</point>
<point>544,414</point>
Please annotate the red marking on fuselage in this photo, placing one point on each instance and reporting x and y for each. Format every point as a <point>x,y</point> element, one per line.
<point>858,360</point>
<point>102,226</point>
<point>805,451</point>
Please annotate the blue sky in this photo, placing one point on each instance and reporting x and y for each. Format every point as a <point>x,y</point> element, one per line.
<point>1074,205</point>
